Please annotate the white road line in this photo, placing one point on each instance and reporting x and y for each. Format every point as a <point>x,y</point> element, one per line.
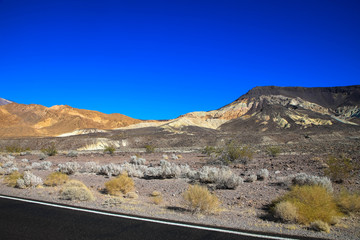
<point>148,219</point>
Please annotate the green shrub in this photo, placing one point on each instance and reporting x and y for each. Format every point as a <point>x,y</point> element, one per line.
<point>76,190</point>
<point>56,179</point>
<point>149,148</point>
<point>340,168</point>
<point>348,202</point>
<point>109,150</point>
<point>208,150</point>
<point>312,203</point>
<point>50,150</point>
<point>273,151</point>
<point>233,152</point>
<point>119,185</point>
<point>15,149</point>
<point>199,199</point>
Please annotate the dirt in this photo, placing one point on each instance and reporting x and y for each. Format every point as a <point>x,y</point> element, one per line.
<point>242,208</point>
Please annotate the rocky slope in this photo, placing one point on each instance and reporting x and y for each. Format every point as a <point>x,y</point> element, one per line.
<point>20,120</point>
<point>4,101</point>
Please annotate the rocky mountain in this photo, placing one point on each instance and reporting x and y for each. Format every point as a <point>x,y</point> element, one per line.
<point>275,108</point>
<point>4,101</point>
<point>20,120</point>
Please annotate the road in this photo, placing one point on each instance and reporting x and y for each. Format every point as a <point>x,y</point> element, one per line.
<point>25,220</point>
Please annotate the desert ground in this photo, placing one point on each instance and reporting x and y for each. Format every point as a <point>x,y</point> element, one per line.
<point>246,206</point>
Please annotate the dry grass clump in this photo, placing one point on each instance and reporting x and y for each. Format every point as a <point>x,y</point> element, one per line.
<point>56,179</point>
<point>199,199</point>
<point>11,179</point>
<point>348,202</point>
<point>76,190</point>
<point>120,185</point>
<point>320,226</point>
<point>286,212</point>
<point>156,197</point>
<point>312,203</point>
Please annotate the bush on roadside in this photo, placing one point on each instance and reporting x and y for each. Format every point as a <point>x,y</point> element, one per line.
<point>286,212</point>
<point>56,179</point>
<point>312,203</point>
<point>50,150</point>
<point>76,190</point>
<point>273,151</point>
<point>199,199</point>
<point>348,202</point>
<point>320,226</point>
<point>11,179</point>
<point>28,180</point>
<point>149,148</point>
<point>109,150</point>
<point>302,179</point>
<point>340,168</point>
<point>119,185</point>
<point>69,167</point>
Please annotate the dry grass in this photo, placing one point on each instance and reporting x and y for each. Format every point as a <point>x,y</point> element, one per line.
<point>76,190</point>
<point>320,226</point>
<point>120,185</point>
<point>11,179</point>
<point>348,202</point>
<point>56,179</point>
<point>199,199</point>
<point>312,203</point>
<point>286,212</point>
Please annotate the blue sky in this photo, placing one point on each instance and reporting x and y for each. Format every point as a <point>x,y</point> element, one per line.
<point>160,59</point>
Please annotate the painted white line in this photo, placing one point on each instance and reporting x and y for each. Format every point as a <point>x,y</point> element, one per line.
<point>148,219</point>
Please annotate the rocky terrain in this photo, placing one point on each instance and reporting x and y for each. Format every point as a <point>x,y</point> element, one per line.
<point>4,101</point>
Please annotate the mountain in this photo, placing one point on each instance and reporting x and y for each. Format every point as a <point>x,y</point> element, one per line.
<point>20,120</point>
<point>4,101</point>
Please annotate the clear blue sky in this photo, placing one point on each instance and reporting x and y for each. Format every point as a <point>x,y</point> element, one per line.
<point>160,59</point>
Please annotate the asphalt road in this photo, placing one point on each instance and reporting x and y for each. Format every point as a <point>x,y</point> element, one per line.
<point>23,220</point>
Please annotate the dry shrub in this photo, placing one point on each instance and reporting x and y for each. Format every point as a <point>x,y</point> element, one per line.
<point>320,226</point>
<point>76,190</point>
<point>312,203</point>
<point>56,179</point>
<point>348,202</point>
<point>285,211</point>
<point>122,184</point>
<point>11,179</point>
<point>156,197</point>
<point>199,199</point>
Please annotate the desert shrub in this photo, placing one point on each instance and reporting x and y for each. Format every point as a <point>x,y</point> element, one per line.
<point>149,148</point>
<point>68,167</point>
<point>340,168</point>
<point>91,167</point>
<point>273,151</point>
<point>24,160</point>
<point>28,180</point>
<point>121,184</point>
<point>224,178</point>
<point>109,150</point>
<point>11,170</point>
<point>11,179</point>
<point>131,195</point>
<point>348,202</point>
<point>199,199</point>
<point>165,170</point>
<point>155,193</point>
<point>72,154</point>
<point>56,179</point>
<point>8,164</point>
<point>2,171</point>
<point>320,226</point>
<point>76,190</point>
<point>251,178</point>
<point>302,179</point>
<point>208,150</point>
<point>174,157</point>
<point>312,203</point>
<point>156,197</point>
<point>15,149</point>
<point>165,157</point>
<point>137,161</point>
<point>42,156</point>
<point>285,211</point>
<point>50,150</point>
<point>263,174</point>
<point>110,169</point>
<point>45,165</point>
<point>233,152</point>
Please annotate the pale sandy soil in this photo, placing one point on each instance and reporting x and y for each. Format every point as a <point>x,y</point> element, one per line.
<point>242,208</point>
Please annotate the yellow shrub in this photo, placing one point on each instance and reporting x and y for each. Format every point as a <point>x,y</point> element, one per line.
<point>285,211</point>
<point>348,202</point>
<point>122,184</point>
<point>11,179</point>
<point>76,190</point>
<point>312,203</point>
<point>56,179</point>
<point>199,199</point>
